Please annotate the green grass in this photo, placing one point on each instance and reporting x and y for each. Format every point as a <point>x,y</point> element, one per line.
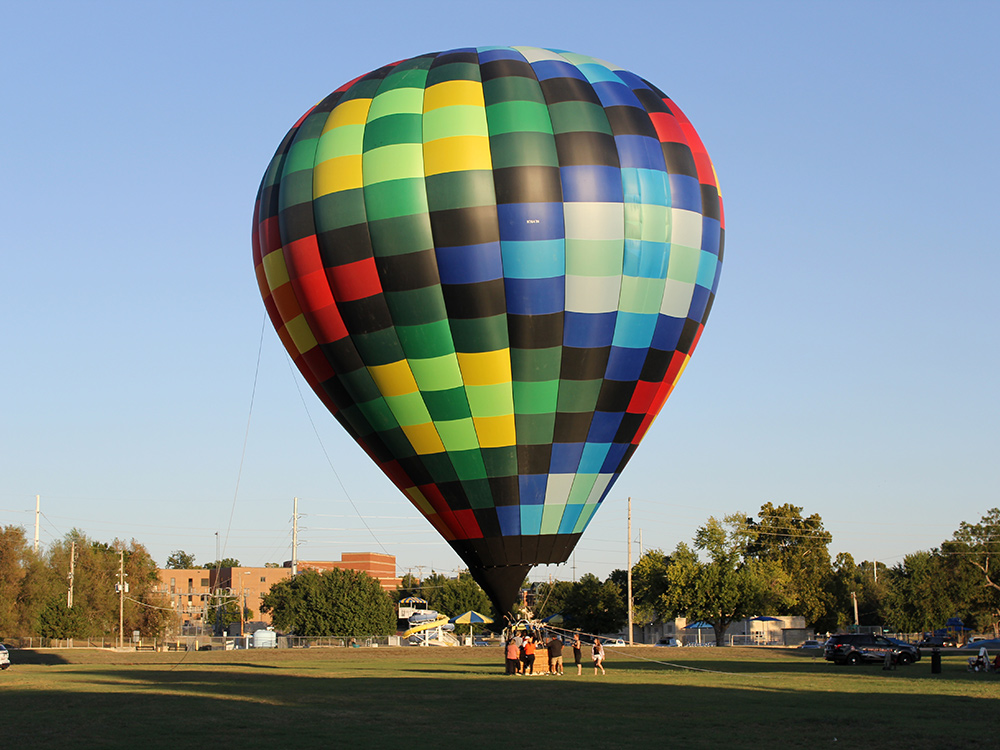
<point>371,698</point>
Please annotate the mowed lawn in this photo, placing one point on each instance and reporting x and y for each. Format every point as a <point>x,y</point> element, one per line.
<point>460,698</point>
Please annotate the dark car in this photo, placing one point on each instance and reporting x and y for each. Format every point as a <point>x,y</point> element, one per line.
<point>856,648</point>
<point>937,641</point>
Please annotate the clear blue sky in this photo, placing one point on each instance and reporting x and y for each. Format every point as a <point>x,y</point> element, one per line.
<point>849,365</point>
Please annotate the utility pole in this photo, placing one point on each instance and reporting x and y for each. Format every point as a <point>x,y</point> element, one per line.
<point>121,597</point>
<point>295,535</point>
<point>854,598</point>
<point>72,560</point>
<point>630,571</point>
<point>38,513</point>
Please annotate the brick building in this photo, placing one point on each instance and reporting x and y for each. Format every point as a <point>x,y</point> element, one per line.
<point>189,590</point>
<point>381,567</point>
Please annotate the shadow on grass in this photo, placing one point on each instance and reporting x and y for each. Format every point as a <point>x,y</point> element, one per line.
<point>30,656</point>
<point>341,704</point>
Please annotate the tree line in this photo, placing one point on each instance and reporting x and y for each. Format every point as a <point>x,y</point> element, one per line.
<point>779,564</point>
<point>776,563</point>
<point>34,588</point>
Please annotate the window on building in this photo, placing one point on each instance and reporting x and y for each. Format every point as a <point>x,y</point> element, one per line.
<point>204,581</point>
<point>263,579</point>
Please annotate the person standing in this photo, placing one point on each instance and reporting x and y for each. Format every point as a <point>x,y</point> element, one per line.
<point>598,656</point>
<point>529,655</point>
<point>512,656</point>
<point>578,653</point>
<point>555,647</point>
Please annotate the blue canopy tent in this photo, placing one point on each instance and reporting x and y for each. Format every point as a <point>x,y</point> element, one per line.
<point>699,626</point>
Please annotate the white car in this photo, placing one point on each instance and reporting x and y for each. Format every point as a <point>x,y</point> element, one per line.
<point>613,642</point>
<point>4,657</point>
<point>668,641</point>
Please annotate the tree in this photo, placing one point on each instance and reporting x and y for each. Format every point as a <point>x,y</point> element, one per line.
<point>649,584</point>
<point>226,562</point>
<point>455,596</point>
<point>919,597</point>
<point>180,560</point>
<point>40,585</point>
<point>595,607</point>
<point>800,547</point>
<point>15,557</point>
<point>728,586</point>
<point>976,547</point>
<point>867,583</point>
<point>335,602</point>
<point>550,598</point>
<point>409,585</point>
<point>96,573</point>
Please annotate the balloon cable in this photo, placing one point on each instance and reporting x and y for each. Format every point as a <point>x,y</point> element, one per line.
<point>620,650</point>
<point>243,453</point>
<point>333,468</point>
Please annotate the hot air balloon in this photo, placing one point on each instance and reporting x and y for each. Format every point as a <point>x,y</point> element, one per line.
<point>492,264</point>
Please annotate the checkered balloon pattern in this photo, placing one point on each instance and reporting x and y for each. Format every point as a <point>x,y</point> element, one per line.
<point>492,265</point>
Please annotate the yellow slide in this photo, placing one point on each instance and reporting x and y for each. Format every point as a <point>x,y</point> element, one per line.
<point>430,625</point>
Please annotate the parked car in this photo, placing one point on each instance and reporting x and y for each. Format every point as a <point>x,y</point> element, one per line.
<point>669,641</point>
<point>4,657</point>
<point>991,644</point>
<point>811,644</point>
<point>937,641</point>
<point>864,647</point>
<point>614,642</point>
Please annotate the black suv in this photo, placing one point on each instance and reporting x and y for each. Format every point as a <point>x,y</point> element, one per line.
<point>856,648</point>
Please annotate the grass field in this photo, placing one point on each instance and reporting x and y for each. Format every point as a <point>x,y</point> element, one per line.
<point>459,698</point>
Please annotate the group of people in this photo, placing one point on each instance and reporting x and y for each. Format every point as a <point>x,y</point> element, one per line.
<point>520,648</point>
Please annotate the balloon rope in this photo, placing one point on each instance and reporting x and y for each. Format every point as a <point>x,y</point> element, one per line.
<point>619,650</point>
<point>333,468</point>
<point>243,453</point>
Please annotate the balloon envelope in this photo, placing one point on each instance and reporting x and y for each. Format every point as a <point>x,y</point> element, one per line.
<point>492,264</point>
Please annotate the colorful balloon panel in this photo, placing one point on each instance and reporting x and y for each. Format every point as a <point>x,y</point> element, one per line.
<point>492,264</point>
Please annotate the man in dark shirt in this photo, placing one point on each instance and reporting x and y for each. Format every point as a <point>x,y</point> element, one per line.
<point>554,647</point>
